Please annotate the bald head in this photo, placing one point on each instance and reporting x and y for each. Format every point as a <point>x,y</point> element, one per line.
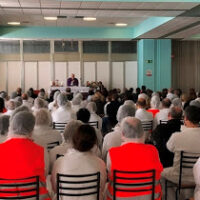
<point>132,128</point>
<point>166,103</point>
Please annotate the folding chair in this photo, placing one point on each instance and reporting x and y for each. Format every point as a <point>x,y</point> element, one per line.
<point>78,185</point>
<point>187,161</point>
<point>52,145</point>
<point>25,188</point>
<point>134,182</point>
<point>59,126</point>
<point>94,124</point>
<point>163,121</point>
<point>147,125</point>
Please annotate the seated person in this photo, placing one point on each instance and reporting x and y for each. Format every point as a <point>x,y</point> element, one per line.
<point>10,105</point>
<point>20,156</point>
<point>64,112</point>
<point>72,81</point>
<point>133,155</point>
<point>163,132</point>
<point>196,172</point>
<point>80,160</point>
<point>69,94</point>
<point>155,103</point>
<point>186,140</point>
<point>43,131</point>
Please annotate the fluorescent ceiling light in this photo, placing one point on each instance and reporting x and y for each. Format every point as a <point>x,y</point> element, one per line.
<point>14,23</point>
<point>120,24</point>
<point>89,18</point>
<point>50,18</point>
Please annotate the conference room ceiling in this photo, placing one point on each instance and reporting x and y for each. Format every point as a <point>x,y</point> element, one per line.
<point>71,13</point>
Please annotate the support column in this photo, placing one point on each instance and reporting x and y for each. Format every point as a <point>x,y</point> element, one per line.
<point>154,63</point>
<point>110,63</point>
<point>22,66</point>
<point>52,60</point>
<point>80,48</point>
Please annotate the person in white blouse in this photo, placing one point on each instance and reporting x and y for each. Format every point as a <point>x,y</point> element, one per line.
<point>43,130</point>
<point>64,112</point>
<point>81,160</point>
<point>91,106</point>
<point>141,112</point>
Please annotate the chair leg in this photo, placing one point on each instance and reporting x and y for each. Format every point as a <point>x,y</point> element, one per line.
<point>165,189</point>
<point>177,194</point>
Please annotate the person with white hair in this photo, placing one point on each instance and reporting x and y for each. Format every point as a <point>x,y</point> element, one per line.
<point>38,104</point>
<point>18,101</point>
<point>91,106</point>
<point>53,105</point>
<point>10,105</point>
<point>177,102</point>
<point>80,160</point>
<point>13,95</point>
<point>76,103</point>
<point>195,103</point>
<point>64,113</point>
<point>133,155</point>
<point>155,104</point>
<point>113,139</point>
<point>43,130</point>
<point>20,156</point>
<point>4,125</point>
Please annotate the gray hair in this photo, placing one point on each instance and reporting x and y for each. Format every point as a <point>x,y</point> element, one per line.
<point>132,128</point>
<point>125,111</point>
<point>195,103</point>
<point>20,109</point>
<point>42,117</point>
<point>76,101</point>
<point>61,99</point>
<point>4,124</point>
<point>177,102</point>
<point>41,95</point>
<point>13,95</point>
<point>92,107</point>
<point>176,112</point>
<point>22,123</point>
<point>3,94</point>
<point>130,103</point>
<point>79,95</point>
<point>18,101</point>
<point>70,129</point>
<point>56,95</point>
<point>155,102</point>
<point>39,103</point>
<point>10,105</point>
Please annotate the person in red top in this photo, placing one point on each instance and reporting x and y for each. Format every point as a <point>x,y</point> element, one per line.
<point>155,103</point>
<point>20,156</point>
<point>133,155</point>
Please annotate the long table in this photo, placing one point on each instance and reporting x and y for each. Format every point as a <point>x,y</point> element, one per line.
<point>74,89</point>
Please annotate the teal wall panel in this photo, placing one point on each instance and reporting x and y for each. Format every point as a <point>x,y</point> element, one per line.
<point>154,63</point>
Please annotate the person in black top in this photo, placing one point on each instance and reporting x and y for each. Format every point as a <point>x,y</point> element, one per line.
<point>162,134</point>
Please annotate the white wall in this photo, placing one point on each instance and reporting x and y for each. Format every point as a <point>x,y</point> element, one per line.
<point>118,75</point>
<point>3,76</point>
<point>30,75</point>
<point>103,73</point>
<point>61,72</point>
<point>131,74</point>
<point>89,72</point>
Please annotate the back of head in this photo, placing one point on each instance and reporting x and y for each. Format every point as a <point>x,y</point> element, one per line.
<point>83,115</point>
<point>56,95</point>
<point>70,129</point>
<point>10,105</point>
<point>130,103</point>
<point>155,102</point>
<point>22,123</point>
<point>4,124</point>
<point>177,102</point>
<point>84,138</point>
<point>176,112</point>
<point>125,111</point>
<point>76,101</point>
<point>192,114</point>
<point>79,95</point>
<point>166,103</point>
<point>61,99</point>
<point>132,128</point>
<point>41,95</point>
<point>3,95</point>
<point>141,103</point>
<point>91,106</point>
<point>20,109</point>
<point>39,103</point>
<point>24,96</point>
<point>42,117</point>
<point>143,96</point>
<point>13,95</point>
<point>195,103</point>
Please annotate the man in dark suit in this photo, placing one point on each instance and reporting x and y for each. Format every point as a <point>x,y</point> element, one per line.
<point>72,81</point>
<point>162,134</point>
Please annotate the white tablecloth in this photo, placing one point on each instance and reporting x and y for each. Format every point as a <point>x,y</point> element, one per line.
<point>74,89</point>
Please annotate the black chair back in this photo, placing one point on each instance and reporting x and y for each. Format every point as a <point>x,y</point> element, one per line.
<point>94,124</point>
<point>52,145</point>
<point>78,185</point>
<point>187,161</point>
<point>134,181</point>
<point>58,156</point>
<point>163,121</point>
<point>25,188</point>
<point>59,126</point>
<point>147,125</point>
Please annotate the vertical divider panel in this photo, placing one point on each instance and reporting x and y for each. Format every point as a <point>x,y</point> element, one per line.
<point>30,75</point>
<point>131,74</point>
<point>61,72</point>
<point>103,73</point>
<point>118,75</point>
<point>3,79</point>
<point>89,72</point>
